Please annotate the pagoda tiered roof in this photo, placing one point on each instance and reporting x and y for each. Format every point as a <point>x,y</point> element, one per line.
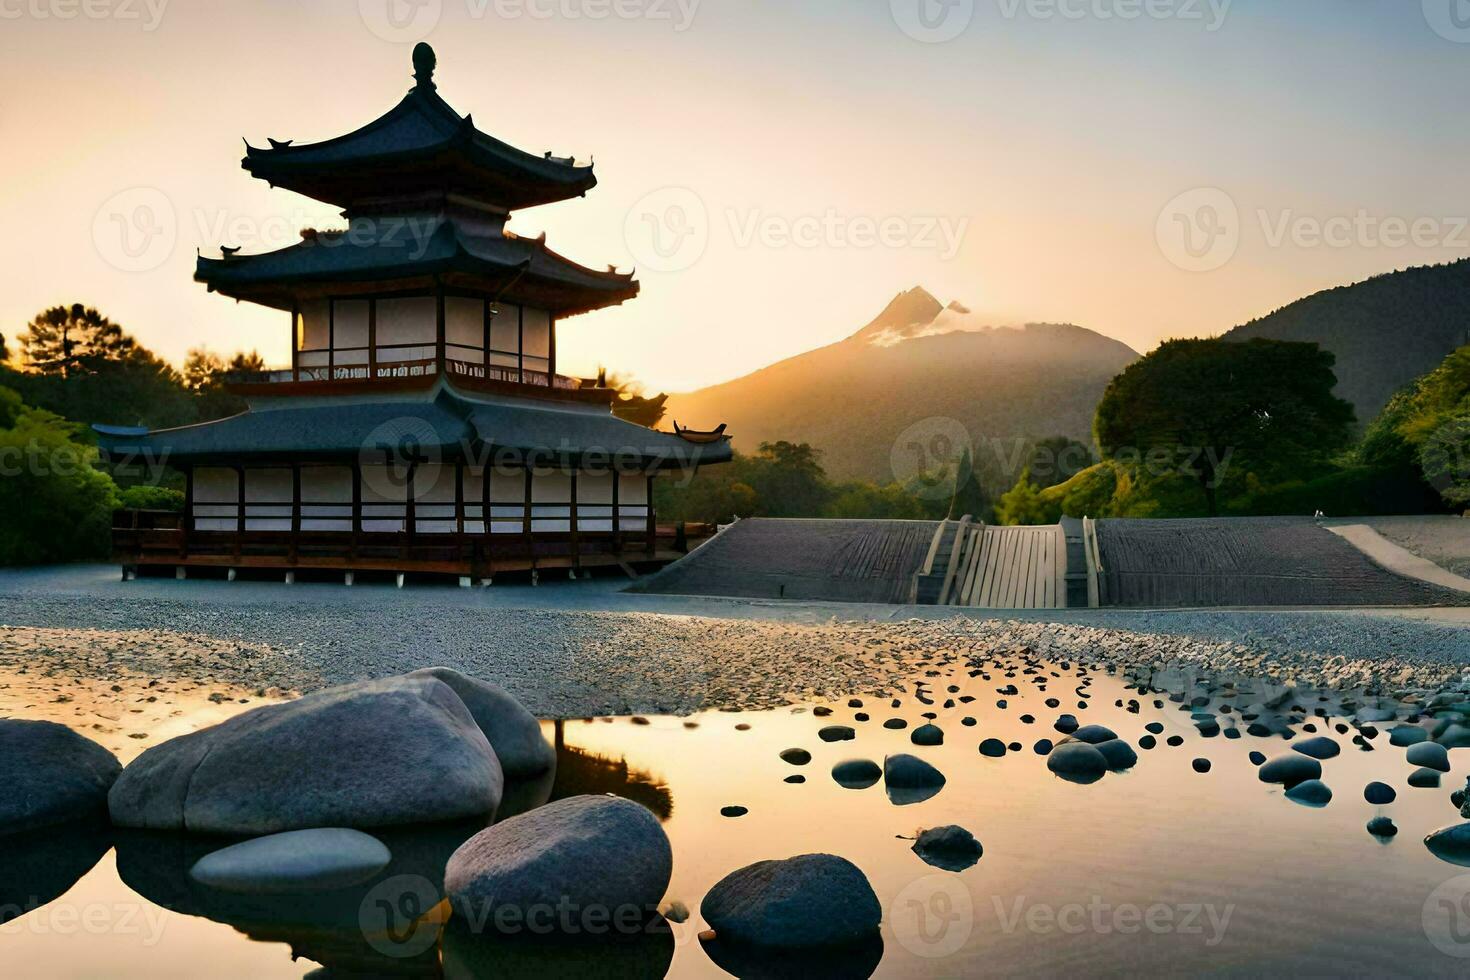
<point>419,145</point>
<point>446,423</point>
<point>492,262</point>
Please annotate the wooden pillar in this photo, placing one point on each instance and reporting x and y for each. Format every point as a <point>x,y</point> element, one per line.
<point>356,507</point>
<point>485,347</point>
<point>187,524</point>
<point>439,330</point>
<point>239,508</point>
<point>295,342</point>
<point>575,525</point>
<point>617,525</point>
<point>410,513</point>
<point>331,339</point>
<point>526,517</point>
<point>372,338</point>
<point>295,512</point>
<point>652,528</point>
<point>459,537</point>
<point>550,348</point>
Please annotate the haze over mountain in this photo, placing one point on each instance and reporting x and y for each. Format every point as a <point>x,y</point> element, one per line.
<point>1385,331</point>
<point>916,360</point>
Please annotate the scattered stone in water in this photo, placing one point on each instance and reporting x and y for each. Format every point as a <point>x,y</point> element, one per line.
<point>1093,734</point>
<point>910,779</point>
<point>1120,754</point>
<point>1042,747</point>
<point>1382,827</point>
<point>837,733</point>
<point>1320,747</point>
<point>805,902</point>
<point>1027,719</point>
<point>860,716</point>
<point>50,775</point>
<point>855,703</point>
<point>796,757</point>
<point>952,848</point>
<point>1147,742</point>
<point>1201,765</point>
<point>1257,758</point>
<point>733,811</point>
<point>1424,779</point>
<point>1310,792</point>
<point>1066,724</point>
<point>1077,762</point>
<point>1290,769</point>
<point>795,778</point>
<point>895,724</point>
<point>927,735</point>
<point>1405,735</point>
<point>821,711</point>
<point>1157,727</point>
<point>1430,755</point>
<point>1175,740</point>
<point>1451,844</point>
<point>1379,794</point>
<point>992,748</point>
<point>743,727</point>
<point>295,861</point>
<point>967,721</point>
<point>856,773</point>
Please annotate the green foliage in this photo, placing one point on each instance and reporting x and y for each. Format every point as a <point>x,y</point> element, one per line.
<point>145,497</point>
<point>1210,409</point>
<point>1023,504</point>
<point>57,505</point>
<point>1342,491</point>
<point>1445,459</point>
<point>787,480</point>
<point>969,496</point>
<point>1421,433</point>
<point>1056,460</point>
<point>69,340</point>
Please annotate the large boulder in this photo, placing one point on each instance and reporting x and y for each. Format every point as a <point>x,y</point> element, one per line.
<point>293,862</point>
<point>952,848</point>
<point>513,732</point>
<point>811,900</point>
<point>602,859</point>
<point>402,750</point>
<point>1290,769</point>
<point>1077,762</point>
<point>1451,844</point>
<point>50,775</point>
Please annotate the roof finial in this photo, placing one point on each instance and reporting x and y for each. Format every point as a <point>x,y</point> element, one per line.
<point>423,65</point>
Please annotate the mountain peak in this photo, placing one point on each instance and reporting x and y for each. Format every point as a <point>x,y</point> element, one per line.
<point>909,309</point>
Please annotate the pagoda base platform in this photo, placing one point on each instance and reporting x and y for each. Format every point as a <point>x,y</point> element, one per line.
<point>475,559</point>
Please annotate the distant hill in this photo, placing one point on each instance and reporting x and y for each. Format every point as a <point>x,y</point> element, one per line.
<point>918,359</point>
<point>1385,331</point>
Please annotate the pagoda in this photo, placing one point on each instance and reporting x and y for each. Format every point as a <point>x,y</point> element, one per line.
<point>422,425</point>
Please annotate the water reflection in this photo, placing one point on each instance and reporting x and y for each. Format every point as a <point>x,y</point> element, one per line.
<point>580,771</point>
<point>42,865</point>
<point>482,956</point>
<point>852,962</point>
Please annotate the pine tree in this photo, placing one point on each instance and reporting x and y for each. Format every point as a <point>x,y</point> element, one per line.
<point>70,340</point>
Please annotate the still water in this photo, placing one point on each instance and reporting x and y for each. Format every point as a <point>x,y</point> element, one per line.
<point>1160,869</point>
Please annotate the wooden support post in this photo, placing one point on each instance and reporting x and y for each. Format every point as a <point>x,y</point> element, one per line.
<point>617,514</point>
<point>291,578</point>
<point>372,338</point>
<point>348,578</point>
<point>652,517</point>
<point>356,510</point>
<point>526,524</point>
<point>410,513</point>
<point>400,579</point>
<point>465,581</point>
<point>230,575</point>
<point>181,572</point>
<point>576,527</point>
<point>295,547</point>
<point>239,509</point>
<point>188,522</point>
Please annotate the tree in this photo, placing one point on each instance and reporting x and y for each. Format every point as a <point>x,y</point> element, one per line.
<point>1207,409</point>
<point>1445,459</point>
<point>205,374</point>
<point>969,496</point>
<point>57,504</point>
<point>1056,460</point>
<point>68,340</point>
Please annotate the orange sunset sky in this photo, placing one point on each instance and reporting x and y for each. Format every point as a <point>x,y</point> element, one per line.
<point>1047,145</point>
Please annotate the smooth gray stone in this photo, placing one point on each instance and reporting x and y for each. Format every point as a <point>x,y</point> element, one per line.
<point>513,732</point>
<point>1290,769</point>
<point>1451,844</point>
<point>837,733</point>
<point>1320,747</point>
<point>50,775</point>
<point>1120,754</point>
<point>403,750</point>
<point>812,900</point>
<point>1382,827</point>
<point>294,861</point>
<point>1407,735</point>
<point>992,748</point>
<point>1455,737</point>
<point>952,848</point>
<point>1430,755</point>
<point>1066,724</point>
<point>1093,734</point>
<point>1379,794</point>
<point>1310,792</point>
<point>1424,778</point>
<point>908,772</point>
<point>600,855</point>
<point>857,773</point>
<point>796,757</point>
<point>927,735</point>
<point>1077,762</point>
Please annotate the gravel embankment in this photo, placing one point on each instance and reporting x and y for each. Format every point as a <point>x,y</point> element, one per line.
<point>577,663</point>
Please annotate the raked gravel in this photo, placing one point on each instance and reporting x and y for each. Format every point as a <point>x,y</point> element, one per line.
<point>564,663</point>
